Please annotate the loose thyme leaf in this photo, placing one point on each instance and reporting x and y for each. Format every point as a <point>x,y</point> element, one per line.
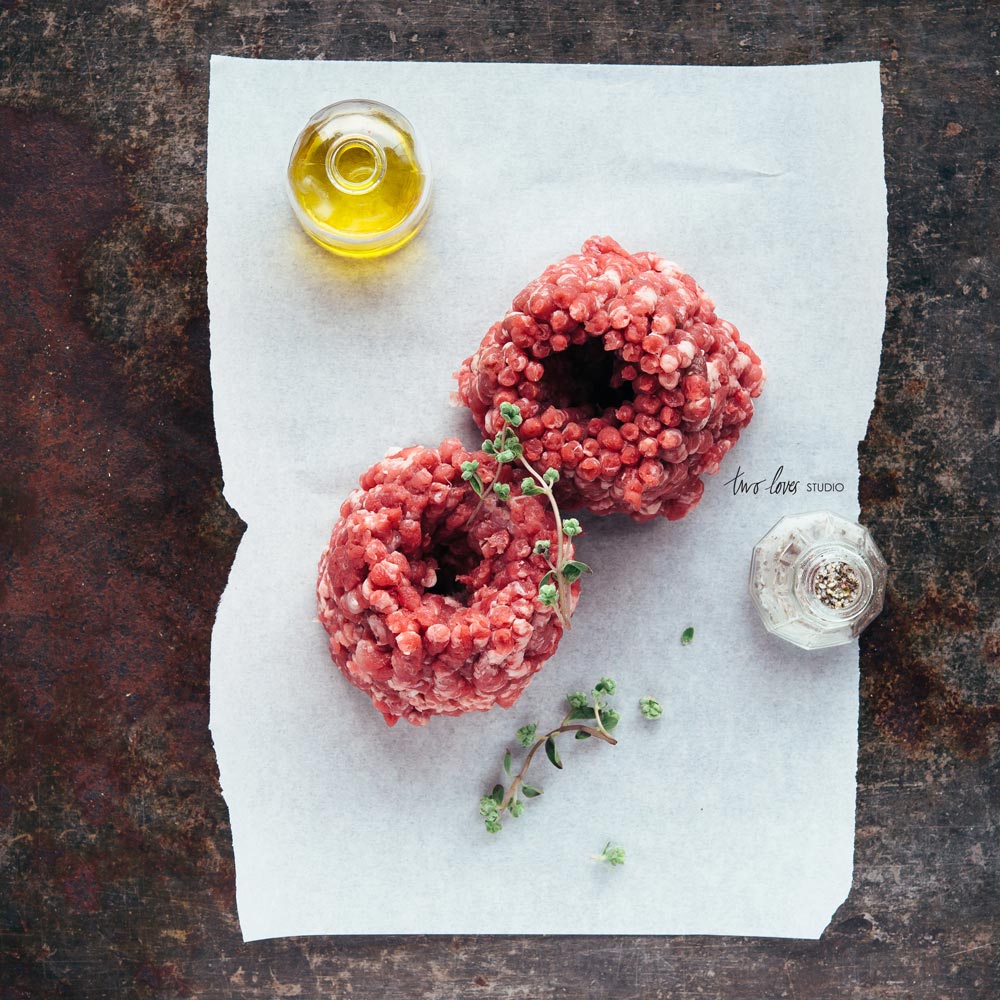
<point>497,794</point>
<point>650,708</point>
<point>530,792</point>
<point>506,762</point>
<point>552,753</point>
<point>614,856</point>
<point>687,636</point>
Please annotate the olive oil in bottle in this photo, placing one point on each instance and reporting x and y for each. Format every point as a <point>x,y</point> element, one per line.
<point>358,181</point>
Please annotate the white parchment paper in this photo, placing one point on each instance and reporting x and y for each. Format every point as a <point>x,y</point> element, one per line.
<point>736,809</point>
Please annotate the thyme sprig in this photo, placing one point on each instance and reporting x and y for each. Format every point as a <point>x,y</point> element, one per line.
<point>583,710</point>
<point>554,589</point>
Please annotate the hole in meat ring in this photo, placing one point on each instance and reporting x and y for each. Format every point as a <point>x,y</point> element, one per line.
<point>585,377</point>
<point>454,558</point>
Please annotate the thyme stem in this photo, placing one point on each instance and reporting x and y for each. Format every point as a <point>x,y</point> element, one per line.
<point>601,734</point>
<point>561,584</point>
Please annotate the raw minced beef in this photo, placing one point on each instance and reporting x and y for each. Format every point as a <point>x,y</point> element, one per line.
<point>430,598</point>
<point>629,383</point>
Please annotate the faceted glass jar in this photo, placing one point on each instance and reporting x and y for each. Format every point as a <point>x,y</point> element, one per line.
<point>358,179</point>
<point>817,579</point>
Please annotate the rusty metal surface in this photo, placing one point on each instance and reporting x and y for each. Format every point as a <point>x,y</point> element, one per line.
<point>116,873</point>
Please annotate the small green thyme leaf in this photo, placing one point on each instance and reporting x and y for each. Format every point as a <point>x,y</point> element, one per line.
<point>650,708</point>
<point>687,636</point>
<point>526,734</point>
<point>605,685</point>
<point>551,476</point>
<point>571,527</point>
<point>497,794</point>
<point>542,547</point>
<point>552,753</point>
<point>516,808</point>
<point>574,569</point>
<point>614,856</point>
<point>548,594</point>
<point>577,700</point>
<point>502,490</point>
<point>511,413</point>
<point>493,826</point>
<point>530,488</point>
<point>506,761</point>
<point>530,792</point>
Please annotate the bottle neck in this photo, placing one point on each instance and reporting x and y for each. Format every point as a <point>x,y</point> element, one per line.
<point>355,164</point>
<point>832,582</point>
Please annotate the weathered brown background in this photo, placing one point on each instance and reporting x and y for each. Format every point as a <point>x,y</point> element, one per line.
<point>116,872</point>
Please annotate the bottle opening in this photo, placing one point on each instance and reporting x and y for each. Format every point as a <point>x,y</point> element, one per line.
<point>832,582</point>
<point>355,164</point>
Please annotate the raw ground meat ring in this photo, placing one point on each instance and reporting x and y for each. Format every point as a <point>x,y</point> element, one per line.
<point>429,598</point>
<point>628,382</point>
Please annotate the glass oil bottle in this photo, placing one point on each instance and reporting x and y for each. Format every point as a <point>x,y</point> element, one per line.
<point>358,180</point>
